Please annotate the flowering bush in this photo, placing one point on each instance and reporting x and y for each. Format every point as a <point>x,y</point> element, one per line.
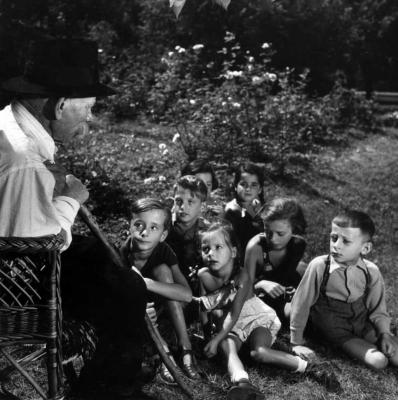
<point>248,110</point>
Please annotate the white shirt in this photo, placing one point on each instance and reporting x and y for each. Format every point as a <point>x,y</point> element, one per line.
<point>27,205</point>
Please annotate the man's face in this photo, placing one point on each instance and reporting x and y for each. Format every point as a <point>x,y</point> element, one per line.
<point>187,206</point>
<point>147,229</point>
<point>74,115</point>
<point>347,244</point>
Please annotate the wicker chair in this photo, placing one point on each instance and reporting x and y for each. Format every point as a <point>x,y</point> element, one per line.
<point>30,305</point>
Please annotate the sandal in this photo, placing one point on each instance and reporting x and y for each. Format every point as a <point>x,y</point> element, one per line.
<point>188,364</point>
<point>244,390</point>
<point>165,375</point>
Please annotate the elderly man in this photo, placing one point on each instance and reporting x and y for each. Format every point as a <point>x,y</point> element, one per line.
<point>52,103</point>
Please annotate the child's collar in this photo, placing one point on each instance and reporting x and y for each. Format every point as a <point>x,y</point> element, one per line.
<point>335,264</point>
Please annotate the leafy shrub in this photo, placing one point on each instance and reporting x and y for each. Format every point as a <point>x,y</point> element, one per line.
<point>250,111</point>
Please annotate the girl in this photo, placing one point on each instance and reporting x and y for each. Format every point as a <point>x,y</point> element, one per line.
<point>273,258</point>
<point>204,171</point>
<point>243,210</point>
<point>239,315</point>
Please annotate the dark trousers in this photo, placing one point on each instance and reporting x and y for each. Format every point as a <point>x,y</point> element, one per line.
<point>113,299</point>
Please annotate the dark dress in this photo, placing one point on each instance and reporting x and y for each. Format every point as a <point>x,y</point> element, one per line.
<point>286,274</point>
<point>245,226</point>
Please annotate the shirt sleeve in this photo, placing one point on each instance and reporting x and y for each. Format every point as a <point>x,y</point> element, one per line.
<point>28,208</point>
<point>305,297</point>
<point>376,301</point>
<point>67,209</point>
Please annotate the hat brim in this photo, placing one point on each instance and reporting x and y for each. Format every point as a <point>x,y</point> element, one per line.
<point>19,85</point>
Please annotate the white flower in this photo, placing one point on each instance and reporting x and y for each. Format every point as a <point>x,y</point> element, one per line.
<point>192,101</point>
<point>175,137</point>
<point>224,103</point>
<point>100,50</point>
<point>162,178</point>
<point>149,181</point>
<point>170,53</point>
<point>94,174</point>
<point>271,77</point>
<point>233,74</point>
<point>251,59</point>
<point>265,46</point>
<point>256,80</point>
<point>198,47</point>
<point>236,105</point>
<point>179,49</point>
<point>162,146</point>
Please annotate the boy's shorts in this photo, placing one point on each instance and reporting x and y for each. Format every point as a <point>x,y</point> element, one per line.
<point>255,313</point>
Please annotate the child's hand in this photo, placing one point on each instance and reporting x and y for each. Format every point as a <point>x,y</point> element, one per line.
<point>196,300</point>
<point>210,349</point>
<point>303,352</point>
<point>151,312</point>
<point>387,345</point>
<point>273,289</point>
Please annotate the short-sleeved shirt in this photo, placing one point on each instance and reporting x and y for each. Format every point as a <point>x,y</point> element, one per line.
<point>245,226</point>
<point>161,254</point>
<point>286,274</point>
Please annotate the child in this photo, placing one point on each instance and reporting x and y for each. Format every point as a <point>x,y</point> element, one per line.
<point>203,170</point>
<point>189,194</point>
<point>239,315</point>
<point>272,258</point>
<point>146,250</point>
<point>344,295</point>
<point>242,211</point>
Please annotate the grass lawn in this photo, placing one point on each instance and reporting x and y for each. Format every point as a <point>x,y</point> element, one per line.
<point>363,175</point>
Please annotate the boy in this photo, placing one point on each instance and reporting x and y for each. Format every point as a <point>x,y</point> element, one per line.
<point>146,250</point>
<point>344,295</point>
<point>189,194</point>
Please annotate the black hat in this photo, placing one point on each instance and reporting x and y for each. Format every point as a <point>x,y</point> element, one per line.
<point>60,67</point>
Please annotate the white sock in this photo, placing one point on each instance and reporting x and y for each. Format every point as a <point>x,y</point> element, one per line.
<point>302,365</point>
<point>238,376</point>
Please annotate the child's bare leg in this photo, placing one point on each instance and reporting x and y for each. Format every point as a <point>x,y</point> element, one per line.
<point>236,370</point>
<point>178,320</point>
<point>371,337</point>
<point>287,310</point>
<point>260,341</point>
<point>366,352</point>
<point>393,360</point>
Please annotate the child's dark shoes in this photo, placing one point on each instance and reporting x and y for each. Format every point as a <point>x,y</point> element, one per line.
<point>244,390</point>
<point>189,364</point>
<point>322,373</point>
<point>165,375</point>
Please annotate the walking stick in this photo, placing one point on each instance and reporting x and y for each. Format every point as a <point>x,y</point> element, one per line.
<point>153,331</point>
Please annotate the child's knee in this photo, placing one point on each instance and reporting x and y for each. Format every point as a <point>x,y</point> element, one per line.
<point>376,359</point>
<point>260,354</point>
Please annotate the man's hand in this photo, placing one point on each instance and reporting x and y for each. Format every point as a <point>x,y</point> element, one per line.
<point>210,349</point>
<point>388,345</point>
<point>75,189</point>
<point>273,289</point>
<point>303,352</point>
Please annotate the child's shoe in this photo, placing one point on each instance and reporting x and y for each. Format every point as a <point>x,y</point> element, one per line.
<point>189,364</point>
<point>244,390</point>
<point>322,373</point>
<point>164,374</point>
